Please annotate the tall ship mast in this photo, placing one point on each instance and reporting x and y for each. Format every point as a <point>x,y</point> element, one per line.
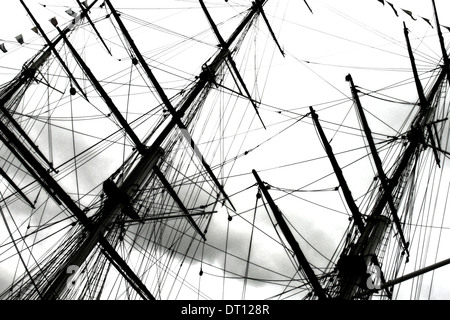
<point>212,150</point>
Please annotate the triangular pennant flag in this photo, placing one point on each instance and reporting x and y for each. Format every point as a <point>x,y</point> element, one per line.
<point>409,13</point>
<point>382,1</point>
<point>85,3</point>
<point>54,21</point>
<point>35,30</point>
<point>3,48</point>
<point>428,21</point>
<point>393,8</point>
<point>19,39</point>
<point>70,12</point>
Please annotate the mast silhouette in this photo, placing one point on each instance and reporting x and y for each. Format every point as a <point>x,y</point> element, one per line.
<point>120,196</point>
<point>354,265</point>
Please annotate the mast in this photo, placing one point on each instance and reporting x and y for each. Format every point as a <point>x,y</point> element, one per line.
<point>61,197</point>
<point>52,45</point>
<point>441,42</point>
<point>356,259</point>
<point>109,102</point>
<point>377,160</point>
<point>118,200</point>
<point>303,262</point>
<point>225,46</point>
<point>357,216</point>
<point>119,197</point>
<point>12,93</point>
<point>167,103</point>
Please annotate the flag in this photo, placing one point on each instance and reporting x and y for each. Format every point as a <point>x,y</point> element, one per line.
<point>3,48</point>
<point>19,39</point>
<point>409,13</point>
<point>428,21</point>
<point>54,21</point>
<point>448,28</point>
<point>35,30</point>
<point>393,8</point>
<point>70,12</point>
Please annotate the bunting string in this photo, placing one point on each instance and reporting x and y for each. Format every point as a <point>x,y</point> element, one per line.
<point>19,38</point>
<point>72,13</point>
<point>410,14</point>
